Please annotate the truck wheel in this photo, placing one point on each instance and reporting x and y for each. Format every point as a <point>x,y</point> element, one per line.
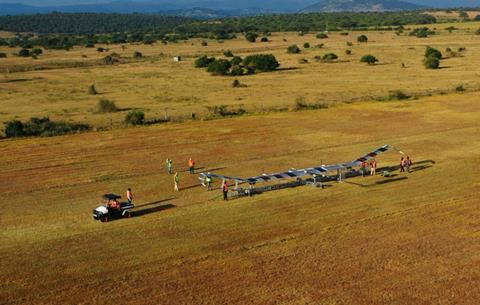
<point>128,214</point>
<point>105,219</point>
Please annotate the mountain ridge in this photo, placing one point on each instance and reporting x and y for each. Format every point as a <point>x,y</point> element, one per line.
<point>328,6</point>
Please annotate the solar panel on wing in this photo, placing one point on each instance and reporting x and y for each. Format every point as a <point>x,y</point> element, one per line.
<point>302,172</point>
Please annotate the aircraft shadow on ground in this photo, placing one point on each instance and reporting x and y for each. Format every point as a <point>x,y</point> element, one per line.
<point>143,212</point>
<point>391,180</point>
<point>199,170</point>
<point>155,202</point>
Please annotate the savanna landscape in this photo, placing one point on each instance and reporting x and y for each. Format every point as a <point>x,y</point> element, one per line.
<point>410,238</point>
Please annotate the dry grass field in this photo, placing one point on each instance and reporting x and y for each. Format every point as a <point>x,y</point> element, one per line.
<point>158,85</point>
<point>409,239</point>
<point>413,238</point>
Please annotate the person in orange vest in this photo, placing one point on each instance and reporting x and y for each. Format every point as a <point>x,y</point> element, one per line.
<point>191,166</point>
<point>115,204</point>
<point>129,195</point>
<point>373,168</point>
<point>225,191</point>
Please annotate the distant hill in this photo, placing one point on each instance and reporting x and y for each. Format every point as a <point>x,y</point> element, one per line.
<point>361,6</point>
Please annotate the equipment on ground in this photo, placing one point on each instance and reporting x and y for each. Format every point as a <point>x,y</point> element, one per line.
<point>111,208</point>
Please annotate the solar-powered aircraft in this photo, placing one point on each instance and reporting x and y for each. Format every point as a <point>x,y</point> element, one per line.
<point>321,170</point>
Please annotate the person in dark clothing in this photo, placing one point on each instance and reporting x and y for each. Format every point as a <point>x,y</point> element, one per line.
<point>402,163</point>
<point>225,191</point>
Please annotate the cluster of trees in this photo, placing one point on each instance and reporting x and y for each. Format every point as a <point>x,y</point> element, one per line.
<point>65,30</point>
<point>422,32</point>
<point>238,66</point>
<point>68,41</point>
<point>87,23</point>
<point>432,58</point>
<point>41,127</point>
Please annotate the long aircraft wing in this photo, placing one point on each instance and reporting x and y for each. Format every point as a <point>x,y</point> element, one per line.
<point>294,173</point>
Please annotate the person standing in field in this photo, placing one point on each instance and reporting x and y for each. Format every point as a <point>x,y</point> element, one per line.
<point>169,165</point>
<point>129,195</point>
<point>373,168</point>
<point>363,168</point>
<point>408,163</point>
<point>402,164</point>
<point>225,191</point>
<point>191,166</point>
<point>208,180</point>
<point>176,180</point>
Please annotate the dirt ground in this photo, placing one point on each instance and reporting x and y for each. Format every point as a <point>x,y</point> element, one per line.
<point>410,239</point>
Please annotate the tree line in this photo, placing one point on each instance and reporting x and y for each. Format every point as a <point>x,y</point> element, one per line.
<point>65,30</point>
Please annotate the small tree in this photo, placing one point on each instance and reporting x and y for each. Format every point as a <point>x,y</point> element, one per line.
<point>219,67</point>
<point>477,32</point>
<point>37,51</point>
<point>431,52</point>
<point>135,117</point>
<point>251,36</point>
<point>262,62</point>
<point>228,53</point>
<point>203,61</point>
<point>14,129</point>
<point>293,49</point>
<point>110,59</point>
<point>362,38</point>
<point>306,45</point>
<point>348,52</point>
<point>431,63</point>
<point>329,57</point>
<point>92,90</point>
<point>322,36</point>
<point>3,55</point>
<point>105,106</point>
<point>236,84</point>
<point>204,43</point>
<point>24,53</point>
<point>264,39</point>
<point>137,55</point>
<point>369,59</point>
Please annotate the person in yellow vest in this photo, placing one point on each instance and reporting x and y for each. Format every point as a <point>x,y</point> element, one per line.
<point>176,180</point>
<point>208,180</point>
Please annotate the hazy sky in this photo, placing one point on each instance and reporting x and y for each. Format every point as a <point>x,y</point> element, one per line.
<point>51,2</point>
<point>70,2</point>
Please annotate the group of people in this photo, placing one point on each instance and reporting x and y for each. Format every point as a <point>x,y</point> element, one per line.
<point>405,164</point>
<point>176,176</point>
<point>365,165</point>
